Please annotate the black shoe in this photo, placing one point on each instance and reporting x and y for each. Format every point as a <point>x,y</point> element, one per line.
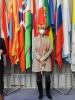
<point>47,82</point>
<point>40,90</point>
<point>40,96</point>
<point>49,95</point>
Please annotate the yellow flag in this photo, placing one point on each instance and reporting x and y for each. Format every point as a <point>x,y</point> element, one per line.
<point>51,37</point>
<point>73,15</point>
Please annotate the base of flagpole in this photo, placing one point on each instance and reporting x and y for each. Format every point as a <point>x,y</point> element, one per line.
<point>64,92</point>
<point>59,90</point>
<point>68,91</point>
<point>12,91</point>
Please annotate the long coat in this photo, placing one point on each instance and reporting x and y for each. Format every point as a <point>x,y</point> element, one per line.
<point>36,55</point>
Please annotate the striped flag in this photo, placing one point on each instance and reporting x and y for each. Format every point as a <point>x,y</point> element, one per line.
<point>4,26</point>
<point>51,11</point>
<point>51,31</point>
<point>47,13</point>
<point>66,31</point>
<point>28,34</point>
<point>21,35</point>
<point>59,35</point>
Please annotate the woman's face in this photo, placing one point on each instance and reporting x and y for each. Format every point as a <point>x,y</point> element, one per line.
<point>42,30</point>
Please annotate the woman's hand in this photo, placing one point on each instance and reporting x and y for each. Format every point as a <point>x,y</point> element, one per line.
<point>42,59</point>
<point>43,63</point>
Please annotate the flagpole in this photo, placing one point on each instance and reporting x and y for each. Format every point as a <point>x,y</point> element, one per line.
<point>9,91</point>
<point>65,92</point>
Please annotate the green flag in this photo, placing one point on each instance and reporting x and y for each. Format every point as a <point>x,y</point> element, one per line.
<point>28,35</point>
<point>46,7</point>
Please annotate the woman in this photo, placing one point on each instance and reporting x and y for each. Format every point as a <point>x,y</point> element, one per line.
<point>2,51</point>
<point>41,49</point>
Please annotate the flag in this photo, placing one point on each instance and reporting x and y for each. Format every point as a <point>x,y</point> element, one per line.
<point>15,47</point>
<point>59,35</point>
<point>51,31</point>
<point>21,36</point>
<point>47,13</point>
<point>73,38</point>
<point>52,43</point>
<point>41,13</point>
<point>10,23</point>
<point>28,34</point>
<point>55,14</point>
<point>51,12</point>
<point>13,31</point>
<point>66,31</point>
<point>4,26</point>
<point>34,17</point>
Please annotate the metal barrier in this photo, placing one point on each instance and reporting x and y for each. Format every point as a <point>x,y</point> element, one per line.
<point>60,82</point>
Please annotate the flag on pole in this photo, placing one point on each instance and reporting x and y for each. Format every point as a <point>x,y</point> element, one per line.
<point>4,26</point>
<point>34,17</point>
<point>47,13</point>
<point>10,22</point>
<point>15,47</point>
<point>51,12</point>
<point>41,13</point>
<point>21,36</point>
<point>51,31</point>
<point>66,31</point>
<point>13,31</point>
<point>59,35</point>
<point>73,38</point>
<point>28,34</point>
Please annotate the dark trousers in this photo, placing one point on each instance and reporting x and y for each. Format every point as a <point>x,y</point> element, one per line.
<point>39,82</point>
<point>1,78</point>
<point>39,76</point>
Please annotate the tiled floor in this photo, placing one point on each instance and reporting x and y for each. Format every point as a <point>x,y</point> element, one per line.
<point>31,94</point>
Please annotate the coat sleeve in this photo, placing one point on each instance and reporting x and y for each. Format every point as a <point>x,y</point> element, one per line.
<point>34,50</point>
<point>49,50</point>
<point>3,46</point>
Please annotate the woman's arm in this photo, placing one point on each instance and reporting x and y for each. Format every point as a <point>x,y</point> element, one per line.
<point>34,50</point>
<point>49,51</point>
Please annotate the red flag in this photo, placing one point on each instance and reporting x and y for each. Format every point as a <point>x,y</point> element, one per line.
<point>59,35</point>
<point>41,13</point>
<point>21,36</point>
<point>34,17</point>
<point>4,33</point>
